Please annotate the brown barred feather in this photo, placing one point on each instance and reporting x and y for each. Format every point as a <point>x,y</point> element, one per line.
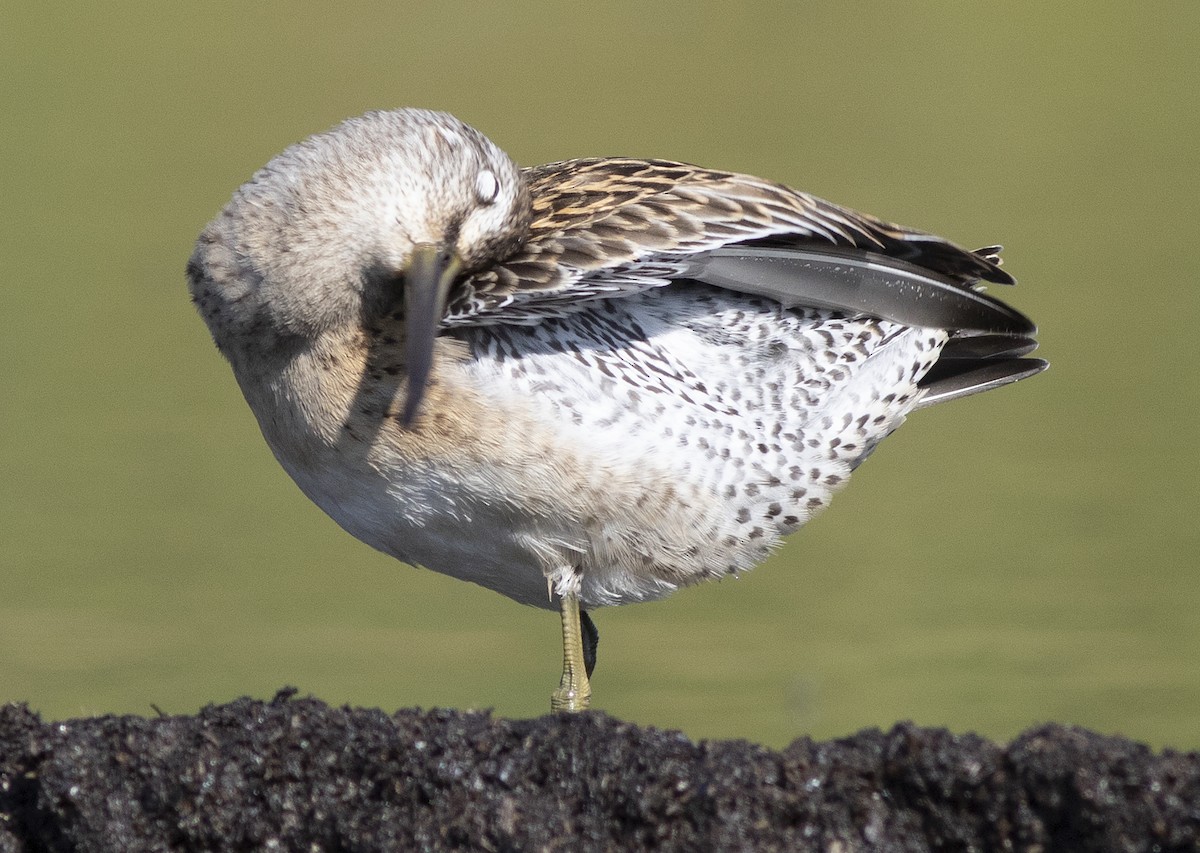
<point>607,226</point>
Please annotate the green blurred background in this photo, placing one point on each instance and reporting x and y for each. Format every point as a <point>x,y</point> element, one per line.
<point>1024,556</point>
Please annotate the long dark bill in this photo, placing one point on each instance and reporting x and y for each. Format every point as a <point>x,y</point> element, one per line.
<point>427,280</point>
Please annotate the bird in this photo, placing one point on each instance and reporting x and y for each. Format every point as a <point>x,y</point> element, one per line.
<point>582,384</point>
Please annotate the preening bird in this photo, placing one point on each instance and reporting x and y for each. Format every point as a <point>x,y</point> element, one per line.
<point>582,384</point>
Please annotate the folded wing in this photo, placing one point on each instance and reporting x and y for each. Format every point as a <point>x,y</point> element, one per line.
<point>609,228</point>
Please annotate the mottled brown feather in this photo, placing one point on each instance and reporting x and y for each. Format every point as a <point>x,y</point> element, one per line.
<point>606,227</point>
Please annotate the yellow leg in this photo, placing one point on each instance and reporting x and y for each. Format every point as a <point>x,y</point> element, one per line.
<point>574,693</point>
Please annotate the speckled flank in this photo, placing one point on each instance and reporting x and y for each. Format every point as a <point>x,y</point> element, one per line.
<point>725,422</point>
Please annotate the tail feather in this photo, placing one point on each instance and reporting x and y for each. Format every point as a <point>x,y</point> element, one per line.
<point>952,378</point>
<point>979,347</point>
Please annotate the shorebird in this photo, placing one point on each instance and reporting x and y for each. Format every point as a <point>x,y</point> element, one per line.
<point>582,384</point>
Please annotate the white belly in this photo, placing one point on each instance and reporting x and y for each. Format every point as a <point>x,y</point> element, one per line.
<point>628,450</point>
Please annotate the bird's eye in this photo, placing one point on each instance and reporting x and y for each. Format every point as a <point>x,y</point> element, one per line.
<point>486,187</point>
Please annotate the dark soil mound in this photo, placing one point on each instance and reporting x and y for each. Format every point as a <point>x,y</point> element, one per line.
<point>300,775</point>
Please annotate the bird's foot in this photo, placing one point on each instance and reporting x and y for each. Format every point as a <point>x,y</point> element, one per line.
<point>574,691</point>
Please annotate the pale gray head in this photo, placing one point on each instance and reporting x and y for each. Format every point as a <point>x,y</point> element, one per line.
<point>335,230</point>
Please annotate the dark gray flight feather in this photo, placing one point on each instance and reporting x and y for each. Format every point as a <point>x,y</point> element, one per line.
<point>858,282</point>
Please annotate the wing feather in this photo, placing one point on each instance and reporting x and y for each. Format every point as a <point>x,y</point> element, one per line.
<point>605,228</point>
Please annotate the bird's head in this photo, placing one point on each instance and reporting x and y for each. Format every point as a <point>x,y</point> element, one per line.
<point>387,209</point>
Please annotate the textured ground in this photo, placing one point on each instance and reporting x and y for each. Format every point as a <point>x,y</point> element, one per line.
<point>299,775</point>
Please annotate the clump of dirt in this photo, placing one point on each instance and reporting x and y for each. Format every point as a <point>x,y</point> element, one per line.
<point>299,775</point>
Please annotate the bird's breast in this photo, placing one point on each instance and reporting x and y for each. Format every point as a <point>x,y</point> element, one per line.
<point>632,448</point>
